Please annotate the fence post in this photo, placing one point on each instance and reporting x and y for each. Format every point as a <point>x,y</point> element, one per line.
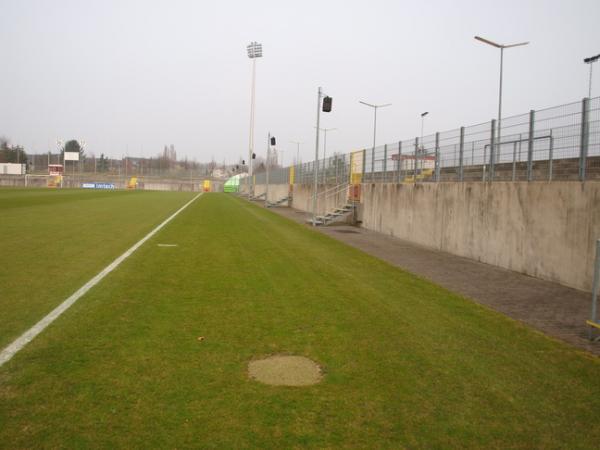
<point>364,165</point>
<point>385,163</point>
<point>399,167</point>
<point>514,164</point>
<point>461,153</point>
<point>416,161</point>
<point>335,163</point>
<point>595,286</point>
<point>492,145</point>
<point>583,141</point>
<point>437,157</point>
<point>530,145</point>
<point>373,165</point>
<point>550,157</point>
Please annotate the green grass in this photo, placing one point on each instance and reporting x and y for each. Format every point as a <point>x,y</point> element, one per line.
<point>53,241</point>
<point>408,364</point>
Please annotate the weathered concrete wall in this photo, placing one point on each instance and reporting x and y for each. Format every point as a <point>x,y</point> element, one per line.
<point>547,230</point>
<point>302,198</point>
<point>276,192</point>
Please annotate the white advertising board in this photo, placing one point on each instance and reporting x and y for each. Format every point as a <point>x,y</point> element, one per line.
<point>12,169</point>
<point>71,156</point>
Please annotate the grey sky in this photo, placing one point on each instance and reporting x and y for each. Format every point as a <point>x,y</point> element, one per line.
<point>132,76</point>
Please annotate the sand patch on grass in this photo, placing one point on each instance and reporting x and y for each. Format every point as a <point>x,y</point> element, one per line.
<point>284,370</point>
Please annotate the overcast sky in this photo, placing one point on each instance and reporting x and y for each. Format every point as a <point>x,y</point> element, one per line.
<point>129,77</point>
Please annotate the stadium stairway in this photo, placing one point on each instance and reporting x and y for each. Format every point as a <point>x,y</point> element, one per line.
<point>339,213</point>
<point>335,215</point>
<point>257,197</point>
<point>279,202</point>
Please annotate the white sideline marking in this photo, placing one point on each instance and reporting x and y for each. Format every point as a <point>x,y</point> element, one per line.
<point>167,245</point>
<point>8,352</point>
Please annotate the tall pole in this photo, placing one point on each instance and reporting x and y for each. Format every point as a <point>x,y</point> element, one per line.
<point>500,105</point>
<point>324,156</point>
<point>375,107</point>
<point>422,145</point>
<point>267,163</point>
<point>252,106</point>
<point>297,150</point>
<point>254,51</point>
<point>499,124</point>
<point>590,83</point>
<point>325,131</point>
<point>374,125</point>
<point>316,163</point>
<point>591,60</point>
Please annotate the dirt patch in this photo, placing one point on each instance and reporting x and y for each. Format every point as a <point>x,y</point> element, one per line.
<point>284,370</point>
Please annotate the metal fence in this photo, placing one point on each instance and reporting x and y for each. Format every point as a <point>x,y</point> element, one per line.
<point>558,143</point>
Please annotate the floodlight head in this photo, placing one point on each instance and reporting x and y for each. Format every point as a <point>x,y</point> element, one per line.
<point>254,50</point>
<point>591,59</point>
<point>495,44</point>
<point>375,106</point>
<point>487,41</point>
<point>424,114</point>
<point>516,45</point>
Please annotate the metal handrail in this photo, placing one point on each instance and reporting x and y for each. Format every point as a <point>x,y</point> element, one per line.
<point>335,190</point>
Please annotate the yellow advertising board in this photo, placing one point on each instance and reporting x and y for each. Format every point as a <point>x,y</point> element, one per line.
<point>356,166</point>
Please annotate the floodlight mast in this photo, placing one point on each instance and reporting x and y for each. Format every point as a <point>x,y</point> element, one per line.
<point>591,60</point>
<point>501,47</point>
<point>254,50</point>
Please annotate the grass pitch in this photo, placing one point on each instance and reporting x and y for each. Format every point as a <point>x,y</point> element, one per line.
<point>53,241</point>
<point>407,363</point>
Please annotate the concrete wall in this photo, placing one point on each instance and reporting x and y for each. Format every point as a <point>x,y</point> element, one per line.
<point>547,230</point>
<point>276,191</point>
<point>302,198</point>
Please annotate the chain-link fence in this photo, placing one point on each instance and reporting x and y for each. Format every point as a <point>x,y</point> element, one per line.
<point>558,143</point>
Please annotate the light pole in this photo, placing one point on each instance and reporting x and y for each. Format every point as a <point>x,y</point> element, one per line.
<point>316,161</point>
<point>501,47</point>
<point>591,60</point>
<point>59,144</point>
<point>327,102</point>
<point>297,150</point>
<point>254,51</point>
<point>325,130</point>
<point>80,160</point>
<point>270,143</point>
<point>422,149</point>
<point>375,107</point>
<point>422,125</point>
